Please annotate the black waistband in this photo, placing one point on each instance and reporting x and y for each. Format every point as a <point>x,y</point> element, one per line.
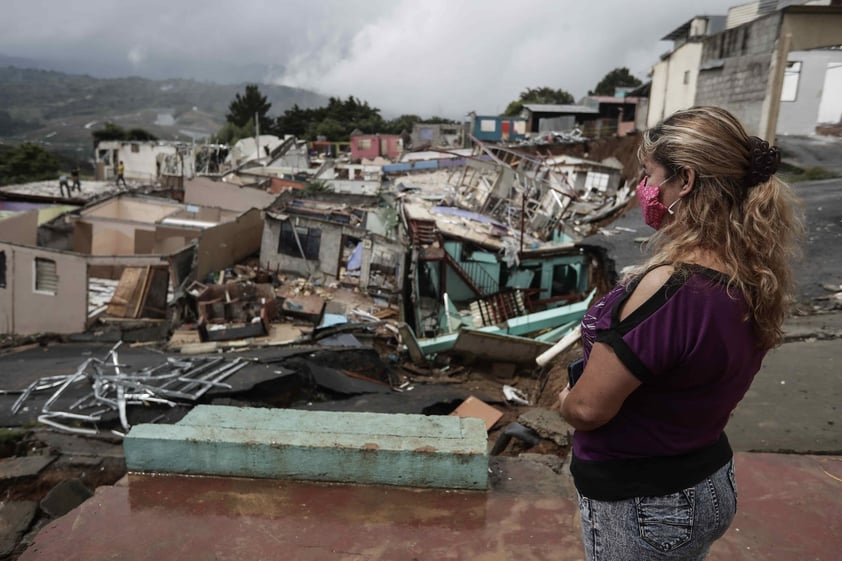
<point>614,480</point>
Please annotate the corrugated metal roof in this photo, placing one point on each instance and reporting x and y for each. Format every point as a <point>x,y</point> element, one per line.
<point>541,108</point>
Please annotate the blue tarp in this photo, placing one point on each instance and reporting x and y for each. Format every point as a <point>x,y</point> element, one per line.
<point>356,260</point>
<point>333,319</point>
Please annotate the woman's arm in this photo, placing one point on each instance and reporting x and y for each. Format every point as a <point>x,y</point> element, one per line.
<point>600,391</point>
<point>606,382</point>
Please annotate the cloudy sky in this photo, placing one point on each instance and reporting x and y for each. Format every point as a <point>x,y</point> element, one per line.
<point>428,57</point>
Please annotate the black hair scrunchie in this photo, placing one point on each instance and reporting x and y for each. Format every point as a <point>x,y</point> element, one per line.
<point>763,161</point>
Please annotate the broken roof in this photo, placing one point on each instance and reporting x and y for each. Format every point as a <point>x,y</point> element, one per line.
<point>326,206</point>
<point>715,25</point>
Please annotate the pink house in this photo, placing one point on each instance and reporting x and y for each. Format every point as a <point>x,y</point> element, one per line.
<point>371,146</point>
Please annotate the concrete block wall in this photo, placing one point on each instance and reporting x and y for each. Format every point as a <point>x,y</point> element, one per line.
<point>739,60</point>
<point>348,447</point>
<point>740,85</point>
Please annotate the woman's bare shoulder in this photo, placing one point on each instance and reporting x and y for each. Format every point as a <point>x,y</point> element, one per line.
<point>650,284</point>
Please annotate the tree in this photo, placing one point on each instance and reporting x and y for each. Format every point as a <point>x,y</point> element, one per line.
<point>294,121</point>
<point>231,133</point>
<point>402,123</point>
<point>617,78</point>
<point>542,95</point>
<point>113,132</point>
<point>140,135</point>
<point>244,107</point>
<point>335,121</point>
<point>27,162</point>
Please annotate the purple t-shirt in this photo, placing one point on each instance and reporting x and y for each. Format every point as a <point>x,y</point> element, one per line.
<point>695,353</point>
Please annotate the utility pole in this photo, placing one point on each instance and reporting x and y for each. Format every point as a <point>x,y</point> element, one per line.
<point>257,134</point>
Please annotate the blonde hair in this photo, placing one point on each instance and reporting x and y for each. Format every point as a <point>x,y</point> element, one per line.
<point>753,229</point>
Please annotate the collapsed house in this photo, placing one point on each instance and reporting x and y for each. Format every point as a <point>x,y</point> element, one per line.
<point>335,238</point>
<point>74,271</point>
<point>432,263</point>
<point>493,247</point>
<point>462,238</point>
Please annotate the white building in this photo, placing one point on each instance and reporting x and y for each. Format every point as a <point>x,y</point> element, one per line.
<point>674,77</point>
<point>144,161</point>
<point>775,64</point>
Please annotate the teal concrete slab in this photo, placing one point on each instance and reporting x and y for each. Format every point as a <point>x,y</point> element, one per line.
<point>521,325</point>
<point>349,447</point>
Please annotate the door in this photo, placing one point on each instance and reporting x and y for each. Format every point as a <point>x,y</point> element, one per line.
<point>830,106</point>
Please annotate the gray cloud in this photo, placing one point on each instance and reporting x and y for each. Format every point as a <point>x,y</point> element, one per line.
<point>404,56</point>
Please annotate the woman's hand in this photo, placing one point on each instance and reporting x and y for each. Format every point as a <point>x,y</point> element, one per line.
<point>600,392</point>
<point>561,397</point>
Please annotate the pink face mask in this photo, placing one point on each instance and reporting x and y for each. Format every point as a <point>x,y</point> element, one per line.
<point>653,209</point>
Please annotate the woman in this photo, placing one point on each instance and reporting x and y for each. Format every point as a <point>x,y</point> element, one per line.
<point>673,348</point>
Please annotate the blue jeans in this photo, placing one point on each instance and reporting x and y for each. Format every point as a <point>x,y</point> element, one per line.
<point>682,525</point>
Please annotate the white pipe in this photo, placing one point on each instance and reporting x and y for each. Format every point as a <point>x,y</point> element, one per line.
<point>559,347</point>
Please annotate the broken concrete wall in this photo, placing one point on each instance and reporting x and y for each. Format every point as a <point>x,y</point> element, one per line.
<point>296,157</point>
<point>202,214</point>
<point>382,221</point>
<point>226,244</point>
<point>128,226</point>
<point>163,240</point>
<point>354,187</point>
<point>321,242</point>
<point>382,267</point>
<point>133,209</point>
<point>112,266</point>
<point>110,228</point>
<point>106,237</point>
<point>20,227</point>
<point>140,159</point>
<point>364,146</point>
<point>205,191</point>
<point>34,281</point>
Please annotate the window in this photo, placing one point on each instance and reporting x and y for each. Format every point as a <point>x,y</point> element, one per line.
<point>135,148</point>
<point>597,181</point>
<point>46,276</point>
<point>488,125</point>
<point>364,143</point>
<point>565,280</point>
<point>791,75</point>
<point>686,77</point>
<point>310,239</point>
<point>2,269</point>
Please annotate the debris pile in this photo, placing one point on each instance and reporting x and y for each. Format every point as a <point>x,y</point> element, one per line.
<point>113,387</point>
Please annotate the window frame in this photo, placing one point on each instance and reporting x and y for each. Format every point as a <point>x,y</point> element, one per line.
<point>791,81</point>
<point>38,272</point>
<point>310,238</point>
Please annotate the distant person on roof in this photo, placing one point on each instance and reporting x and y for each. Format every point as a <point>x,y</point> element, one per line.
<point>74,175</point>
<point>121,169</point>
<point>63,185</point>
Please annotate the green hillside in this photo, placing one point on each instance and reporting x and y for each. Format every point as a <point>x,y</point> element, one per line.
<point>60,110</point>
